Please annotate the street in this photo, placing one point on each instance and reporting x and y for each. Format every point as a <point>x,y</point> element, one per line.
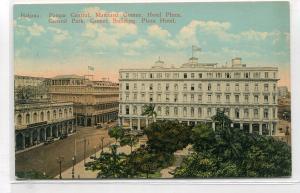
<point>45,157</point>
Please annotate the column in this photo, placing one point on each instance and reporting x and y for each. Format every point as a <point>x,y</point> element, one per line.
<point>23,141</point>
<point>188,123</point>
<point>241,126</point>
<point>45,134</point>
<point>50,131</point>
<point>30,138</point>
<point>56,131</point>
<point>270,128</point>
<point>274,128</point>
<point>130,122</point>
<point>38,136</point>
<point>260,128</point>
<point>213,125</point>
<point>119,121</point>
<point>250,128</point>
<point>139,124</point>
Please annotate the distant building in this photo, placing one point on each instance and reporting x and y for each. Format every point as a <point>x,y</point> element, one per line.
<point>283,91</point>
<point>27,88</point>
<point>94,101</point>
<point>194,92</point>
<point>36,122</point>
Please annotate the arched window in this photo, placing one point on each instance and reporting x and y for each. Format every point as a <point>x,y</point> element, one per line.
<point>54,114</point>
<point>199,112</point>
<point>34,117</point>
<point>184,111</point>
<point>159,110</point>
<point>60,113</point>
<point>65,113</point>
<point>27,118</point>
<point>19,119</point>
<point>167,111</point>
<point>237,113</point>
<point>42,116</point>
<point>192,111</point>
<point>48,115</point>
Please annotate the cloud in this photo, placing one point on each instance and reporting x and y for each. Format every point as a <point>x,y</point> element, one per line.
<point>139,43</point>
<point>36,29</point>
<point>59,34</point>
<point>158,32</point>
<point>106,35</point>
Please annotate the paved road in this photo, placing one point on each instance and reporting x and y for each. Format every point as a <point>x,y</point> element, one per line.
<point>44,158</point>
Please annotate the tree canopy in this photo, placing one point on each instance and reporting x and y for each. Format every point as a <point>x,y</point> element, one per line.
<point>230,152</point>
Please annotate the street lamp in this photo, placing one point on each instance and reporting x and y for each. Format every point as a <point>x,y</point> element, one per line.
<point>102,140</point>
<point>73,164</point>
<point>59,160</point>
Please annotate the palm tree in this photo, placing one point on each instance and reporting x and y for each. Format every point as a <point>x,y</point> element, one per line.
<point>149,111</point>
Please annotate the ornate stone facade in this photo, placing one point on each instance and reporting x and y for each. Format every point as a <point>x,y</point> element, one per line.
<point>193,92</point>
<point>94,101</point>
<point>36,122</point>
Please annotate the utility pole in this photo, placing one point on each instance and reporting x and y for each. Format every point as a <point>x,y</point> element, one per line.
<point>84,150</point>
<point>59,160</point>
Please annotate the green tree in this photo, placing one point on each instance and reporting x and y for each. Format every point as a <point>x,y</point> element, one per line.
<point>32,175</point>
<point>149,112</point>
<point>117,133</point>
<point>167,136</point>
<point>230,152</point>
<point>130,140</point>
<point>110,164</point>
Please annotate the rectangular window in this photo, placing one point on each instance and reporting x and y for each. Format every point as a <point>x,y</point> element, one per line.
<point>266,87</point>
<point>246,98</point>
<point>135,86</point>
<point>167,87</point>
<point>167,98</point>
<point>175,98</point>
<point>227,98</point>
<point>227,87</point>
<point>127,97</point>
<point>192,75</point>
<point>192,97</point>
<point>218,86</point>
<point>158,86</point>
<point>184,97</point>
<point>135,96</point>
<point>127,86</point>
<point>255,98</point>
<point>218,98</point>
<point>237,98</point>
<point>266,99</point>
<point>151,98</point>
<point>246,87</point>
<point>159,97</point>
<point>192,87</point>
<point>200,75</point>
<point>185,75</point>
<point>237,87</point>
<point>127,75</point>
<point>266,75</point>
<point>200,98</point>
<point>199,86</point>
<point>209,98</point>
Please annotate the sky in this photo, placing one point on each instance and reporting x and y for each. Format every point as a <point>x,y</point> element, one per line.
<point>258,32</point>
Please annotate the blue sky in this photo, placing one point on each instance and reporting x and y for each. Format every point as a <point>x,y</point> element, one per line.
<point>258,32</point>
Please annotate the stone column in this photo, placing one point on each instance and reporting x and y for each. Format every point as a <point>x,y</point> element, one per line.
<point>30,138</point>
<point>250,128</point>
<point>241,126</point>
<point>260,128</point>
<point>213,125</point>
<point>51,131</point>
<point>56,131</point>
<point>45,134</point>
<point>270,128</point>
<point>23,141</point>
<point>139,124</point>
<point>130,122</point>
<point>38,136</point>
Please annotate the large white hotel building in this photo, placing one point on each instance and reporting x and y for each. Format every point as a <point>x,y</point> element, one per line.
<point>194,92</point>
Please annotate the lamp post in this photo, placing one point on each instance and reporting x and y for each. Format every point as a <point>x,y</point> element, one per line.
<point>95,148</point>
<point>59,160</point>
<point>102,140</point>
<point>73,164</point>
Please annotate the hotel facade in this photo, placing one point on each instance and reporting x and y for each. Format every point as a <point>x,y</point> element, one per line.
<point>94,101</point>
<point>195,91</point>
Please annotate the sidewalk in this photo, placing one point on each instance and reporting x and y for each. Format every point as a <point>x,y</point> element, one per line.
<point>79,169</point>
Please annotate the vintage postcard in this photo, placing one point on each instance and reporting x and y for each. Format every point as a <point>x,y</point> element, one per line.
<point>152,90</point>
